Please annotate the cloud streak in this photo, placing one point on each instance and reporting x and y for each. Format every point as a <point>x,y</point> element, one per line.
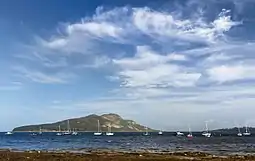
<point>40,77</point>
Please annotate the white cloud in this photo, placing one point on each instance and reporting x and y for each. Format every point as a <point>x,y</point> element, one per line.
<point>99,29</point>
<point>150,69</point>
<point>227,73</point>
<point>145,57</point>
<point>165,24</point>
<point>40,77</point>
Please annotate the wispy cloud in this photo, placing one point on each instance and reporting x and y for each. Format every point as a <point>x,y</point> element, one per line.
<point>40,77</point>
<point>150,69</point>
<point>227,73</point>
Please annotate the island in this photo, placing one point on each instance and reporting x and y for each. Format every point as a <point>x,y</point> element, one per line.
<point>88,124</point>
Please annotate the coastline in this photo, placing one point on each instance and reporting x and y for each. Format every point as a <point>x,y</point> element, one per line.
<point>106,155</point>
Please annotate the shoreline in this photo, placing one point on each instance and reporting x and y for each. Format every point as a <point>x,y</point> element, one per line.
<point>132,151</point>
<point>114,155</point>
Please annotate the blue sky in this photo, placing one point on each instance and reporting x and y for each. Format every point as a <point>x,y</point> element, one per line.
<point>166,64</point>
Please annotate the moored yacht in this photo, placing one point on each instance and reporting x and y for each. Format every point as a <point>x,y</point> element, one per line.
<point>206,133</point>
<point>239,132</point>
<point>74,132</point>
<point>109,133</point>
<point>190,133</point>
<point>59,131</point>
<point>146,132</point>
<point>247,132</point>
<point>8,133</point>
<point>98,133</point>
<point>178,133</point>
<point>68,132</point>
<point>40,131</point>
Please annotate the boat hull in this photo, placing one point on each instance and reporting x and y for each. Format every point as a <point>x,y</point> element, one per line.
<point>109,134</point>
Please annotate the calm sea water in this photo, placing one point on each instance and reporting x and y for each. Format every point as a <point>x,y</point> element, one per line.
<point>128,142</point>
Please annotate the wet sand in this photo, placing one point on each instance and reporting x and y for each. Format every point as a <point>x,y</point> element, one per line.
<point>6,155</point>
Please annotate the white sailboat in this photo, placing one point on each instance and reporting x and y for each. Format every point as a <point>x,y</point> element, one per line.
<point>33,134</point>
<point>98,133</point>
<point>247,132</point>
<point>59,131</point>
<point>40,131</point>
<point>160,132</point>
<point>68,132</point>
<point>146,132</point>
<point>239,132</point>
<point>178,133</point>
<point>206,133</point>
<point>109,133</point>
<point>74,132</point>
<point>190,133</point>
<point>8,133</point>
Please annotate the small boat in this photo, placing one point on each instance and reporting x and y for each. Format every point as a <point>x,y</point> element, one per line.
<point>247,132</point>
<point>190,134</point>
<point>109,133</point>
<point>74,132</point>
<point>8,133</point>
<point>59,131</point>
<point>239,132</point>
<point>98,133</point>
<point>160,132</point>
<point>178,133</point>
<point>206,133</point>
<point>59,134</point>
<point>68,132</point>
<point>146,132</point>
<point>40,131</point>
<point>33,134</point>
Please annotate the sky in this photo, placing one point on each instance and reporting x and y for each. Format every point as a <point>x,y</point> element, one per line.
<point>165,64</point>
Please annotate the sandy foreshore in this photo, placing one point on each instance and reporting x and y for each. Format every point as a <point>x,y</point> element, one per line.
<point>7,155</point>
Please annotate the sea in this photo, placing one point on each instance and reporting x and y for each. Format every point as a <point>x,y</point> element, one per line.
<point>129,142</point>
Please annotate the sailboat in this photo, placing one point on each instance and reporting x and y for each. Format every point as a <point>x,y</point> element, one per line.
<point>8,133</point>
<point>40,131</point>
<point>146,132</point>
<point>68,132</point>
<point>206,133</point>
<point>239,132</point>
<point>247,132</point>
<point>178,133</point>
<point>190,134</point>
<point>59,131</point>
<point>98,133</point>
<point>74,132</point>
<point>33,134</point>
<point>109,133</point>
<point>160,132</point>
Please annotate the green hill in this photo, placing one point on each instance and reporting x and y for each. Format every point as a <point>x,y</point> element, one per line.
<point>89,123</point>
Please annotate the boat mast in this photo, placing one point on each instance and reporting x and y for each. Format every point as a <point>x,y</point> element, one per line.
<point>109,128</point>
<point>246,129</point>
<point>190,131</point>
<point>98,125</point>
<point>239,131</point>
<point>206,127</point>
<point>68,126</point>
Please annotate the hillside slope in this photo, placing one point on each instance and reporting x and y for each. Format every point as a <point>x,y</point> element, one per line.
<point>89,123</point>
